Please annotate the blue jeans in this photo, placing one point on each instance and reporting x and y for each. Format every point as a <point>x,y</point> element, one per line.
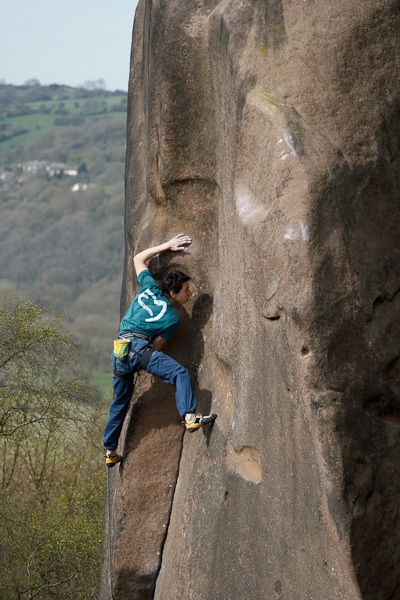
<point>165,367</point>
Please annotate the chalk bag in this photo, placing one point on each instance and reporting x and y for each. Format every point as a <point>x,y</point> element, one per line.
<point>121,348</point>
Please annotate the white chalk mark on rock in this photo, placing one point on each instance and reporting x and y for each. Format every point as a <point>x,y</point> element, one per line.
<point>245,206</point>
<point>293,234</point>
<point>289,141</point>
<point>304,230</point>
<point>290,234</point>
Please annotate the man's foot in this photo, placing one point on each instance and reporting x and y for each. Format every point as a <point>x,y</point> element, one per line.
<point>112,458</point>
<point>199,421</point>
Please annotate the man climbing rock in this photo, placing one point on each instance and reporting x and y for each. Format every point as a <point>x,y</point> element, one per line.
<point>148,324</point>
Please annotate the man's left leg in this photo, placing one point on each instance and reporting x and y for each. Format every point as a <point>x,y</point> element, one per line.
<point>123,389</point>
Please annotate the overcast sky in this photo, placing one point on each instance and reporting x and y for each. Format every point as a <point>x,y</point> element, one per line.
<point>68,42</point>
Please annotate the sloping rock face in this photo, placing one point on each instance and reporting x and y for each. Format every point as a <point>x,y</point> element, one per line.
<point>269,132</point>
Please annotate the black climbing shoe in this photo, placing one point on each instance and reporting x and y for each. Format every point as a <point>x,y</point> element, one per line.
<point>199,422</point>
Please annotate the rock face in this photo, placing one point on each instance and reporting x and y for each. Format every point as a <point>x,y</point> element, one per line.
<point>269,131</point>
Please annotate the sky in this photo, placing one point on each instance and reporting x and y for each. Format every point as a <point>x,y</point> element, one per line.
<point>67,42</point>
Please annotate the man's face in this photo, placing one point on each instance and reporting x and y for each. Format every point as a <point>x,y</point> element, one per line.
<point>184,294</point>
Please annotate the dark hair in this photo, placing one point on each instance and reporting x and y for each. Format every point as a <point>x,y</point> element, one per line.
<point>173,281</point>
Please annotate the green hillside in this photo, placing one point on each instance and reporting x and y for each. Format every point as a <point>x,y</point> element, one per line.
<point>62,153</point>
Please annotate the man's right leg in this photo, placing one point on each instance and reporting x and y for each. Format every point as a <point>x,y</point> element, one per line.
<point>170,371</point>
<point>123,389</point>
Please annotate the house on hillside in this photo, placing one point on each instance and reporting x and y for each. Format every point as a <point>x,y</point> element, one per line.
<point>54,169</point>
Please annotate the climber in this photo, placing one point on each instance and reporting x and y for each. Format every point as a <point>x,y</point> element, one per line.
<point>148,324</point>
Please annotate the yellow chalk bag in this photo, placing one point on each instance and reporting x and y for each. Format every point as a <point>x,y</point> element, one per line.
<point>121,348</point>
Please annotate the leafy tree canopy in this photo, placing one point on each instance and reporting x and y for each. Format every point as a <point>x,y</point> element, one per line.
<point>51,484</point>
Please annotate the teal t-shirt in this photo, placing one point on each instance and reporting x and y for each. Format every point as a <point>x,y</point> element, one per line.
<point>150,313</point>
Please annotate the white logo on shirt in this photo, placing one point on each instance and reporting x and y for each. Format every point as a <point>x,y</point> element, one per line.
<point>156,302</point>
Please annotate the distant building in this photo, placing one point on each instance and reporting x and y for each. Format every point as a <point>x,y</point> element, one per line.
<point>77,187</point>
<point>33,166</point>
<point>6,175</point>
<point>53,169</point>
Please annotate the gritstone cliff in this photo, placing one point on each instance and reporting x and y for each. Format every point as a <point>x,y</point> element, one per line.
<point>269,131</point>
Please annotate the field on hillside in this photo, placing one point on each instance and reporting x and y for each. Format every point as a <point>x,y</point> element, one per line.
<point>62,162</point>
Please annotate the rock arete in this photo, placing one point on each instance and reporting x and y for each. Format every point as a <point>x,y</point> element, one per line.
<point>269,132</point>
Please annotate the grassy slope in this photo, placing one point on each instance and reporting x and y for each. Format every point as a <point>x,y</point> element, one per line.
<point>54,242</point>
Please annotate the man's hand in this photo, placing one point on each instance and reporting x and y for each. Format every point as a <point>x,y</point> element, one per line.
<point>179,242</point>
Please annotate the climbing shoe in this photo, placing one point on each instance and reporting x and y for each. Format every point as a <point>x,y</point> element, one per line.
<point>199,422</point>
<point>112,460</point>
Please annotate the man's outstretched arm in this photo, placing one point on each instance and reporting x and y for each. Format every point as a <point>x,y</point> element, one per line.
<point>177,243</point>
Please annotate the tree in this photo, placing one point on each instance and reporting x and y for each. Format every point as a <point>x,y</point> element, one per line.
<point>99,84</point>
<point>32,83</point>
<point>33,351</point>
<point>51,482</point>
